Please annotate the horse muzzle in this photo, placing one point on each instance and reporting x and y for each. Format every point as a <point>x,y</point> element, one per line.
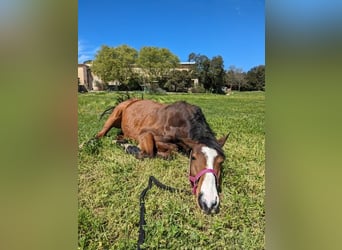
<point>209,206</point>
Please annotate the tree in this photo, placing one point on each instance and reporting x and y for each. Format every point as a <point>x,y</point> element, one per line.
<point>256,78</point>
<point>209,72</point>
<point>88,62</point>
<point>178,81</point>
<point>192,56</point>
<point>201,69</point>
<point>235,78</point>
<point>102,64</point>
<point>217,73</point>
<point>115,63</point>
<point>156,63</point>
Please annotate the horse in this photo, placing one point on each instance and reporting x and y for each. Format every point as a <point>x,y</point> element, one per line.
<point>162,129</point>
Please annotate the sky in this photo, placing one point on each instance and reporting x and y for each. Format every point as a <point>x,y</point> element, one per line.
<point>233,29</point>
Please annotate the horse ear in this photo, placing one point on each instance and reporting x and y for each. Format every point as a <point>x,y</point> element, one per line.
<point>223,140</point>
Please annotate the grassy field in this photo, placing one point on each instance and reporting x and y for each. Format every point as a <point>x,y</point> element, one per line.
<point>111,181</point>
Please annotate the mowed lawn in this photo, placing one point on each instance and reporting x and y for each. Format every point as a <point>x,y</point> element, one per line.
<point>110,181</point>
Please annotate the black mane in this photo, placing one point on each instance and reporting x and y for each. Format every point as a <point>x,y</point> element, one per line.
<point>200,131</point>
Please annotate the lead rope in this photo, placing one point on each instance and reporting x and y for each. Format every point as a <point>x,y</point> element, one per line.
<point>142,221</point>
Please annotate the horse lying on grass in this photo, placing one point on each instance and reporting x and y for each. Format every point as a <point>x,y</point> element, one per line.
<point>160,129</point>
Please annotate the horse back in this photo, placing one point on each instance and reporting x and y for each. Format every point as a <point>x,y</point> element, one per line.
<point>166,121</point>
<point>139,116</point>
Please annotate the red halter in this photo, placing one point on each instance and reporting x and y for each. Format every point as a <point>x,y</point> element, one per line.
<point>194,180</point>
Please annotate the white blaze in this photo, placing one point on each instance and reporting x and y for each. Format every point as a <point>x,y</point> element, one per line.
<point>208,187</point>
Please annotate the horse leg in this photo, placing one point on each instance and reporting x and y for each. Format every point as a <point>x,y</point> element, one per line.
<point>114,120</point>
<point>147,145</point>
<point>165,149</point>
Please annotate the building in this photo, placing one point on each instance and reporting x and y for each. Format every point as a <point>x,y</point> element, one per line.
<point>185,66</point>
<point>85,76</point>
<point>93,83</point>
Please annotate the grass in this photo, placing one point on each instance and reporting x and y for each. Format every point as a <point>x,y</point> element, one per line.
<point>111,181</point>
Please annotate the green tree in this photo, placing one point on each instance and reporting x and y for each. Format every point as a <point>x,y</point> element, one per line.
<point>178,81</point>
<point>209,72</point>
<point>256,78</point>
<point>88,61</point>
<point>115,63</point>
<point>217,73</point>
<point>156,63</point>
<point>102,65</point>
<point>201,69</point>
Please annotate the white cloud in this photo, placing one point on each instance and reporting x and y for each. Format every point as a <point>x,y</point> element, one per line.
<point>82,58</point>
<point>86,51</point>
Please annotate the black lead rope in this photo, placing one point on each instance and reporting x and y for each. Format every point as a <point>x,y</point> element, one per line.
<point>142,222</point>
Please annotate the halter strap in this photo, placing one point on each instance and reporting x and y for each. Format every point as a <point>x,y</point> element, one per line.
<point>194,180</point>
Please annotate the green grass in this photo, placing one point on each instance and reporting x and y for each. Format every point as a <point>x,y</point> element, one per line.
<point>111,181</point>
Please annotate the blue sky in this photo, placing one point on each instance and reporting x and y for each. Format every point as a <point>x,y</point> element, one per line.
<point>234,29</point>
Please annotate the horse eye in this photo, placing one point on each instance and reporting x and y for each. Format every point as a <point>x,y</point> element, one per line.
<point>193,158</point>
<point>220,161</point>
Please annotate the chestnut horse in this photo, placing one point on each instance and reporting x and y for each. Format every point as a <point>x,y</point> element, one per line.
<point>161,129</point>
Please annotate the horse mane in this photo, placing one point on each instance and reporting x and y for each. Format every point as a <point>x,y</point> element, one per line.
<point>200,131</point>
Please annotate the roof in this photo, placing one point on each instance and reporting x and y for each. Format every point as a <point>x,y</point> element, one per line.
<point>186,63</point>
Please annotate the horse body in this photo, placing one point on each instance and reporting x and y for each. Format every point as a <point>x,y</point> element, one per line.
<point>161,129</point>
<point>158,128</point>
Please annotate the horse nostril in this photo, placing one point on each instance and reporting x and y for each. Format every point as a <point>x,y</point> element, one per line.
<point>202,204</point>
<point>211,208</point>
<point>215,202</point>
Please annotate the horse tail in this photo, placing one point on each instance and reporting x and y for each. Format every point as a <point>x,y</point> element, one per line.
<point>120,99</point>
<point>107,111</point>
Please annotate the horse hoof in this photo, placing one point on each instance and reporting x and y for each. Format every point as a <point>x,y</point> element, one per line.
<point>133,150</point>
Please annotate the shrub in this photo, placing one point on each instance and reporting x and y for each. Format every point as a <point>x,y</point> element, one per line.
<point>197,89</point>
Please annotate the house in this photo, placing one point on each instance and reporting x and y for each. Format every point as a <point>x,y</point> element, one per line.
<point>85,77</point>
<point>185,66</point>
<point>91,82</point>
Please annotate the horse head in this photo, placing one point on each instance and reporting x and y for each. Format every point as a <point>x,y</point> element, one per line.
<point>205,172</point>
